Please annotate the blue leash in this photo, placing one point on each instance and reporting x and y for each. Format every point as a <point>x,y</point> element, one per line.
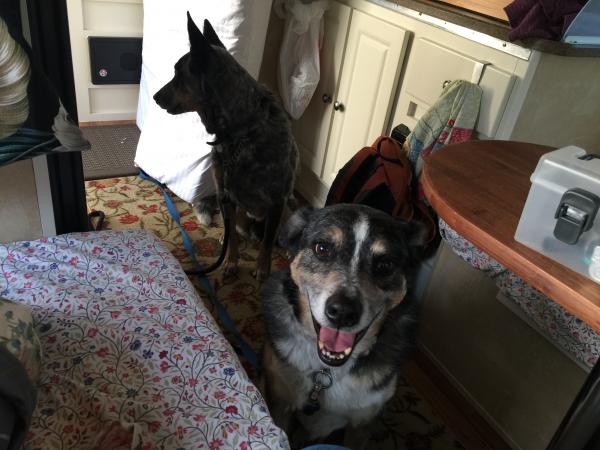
<point>224,316</point>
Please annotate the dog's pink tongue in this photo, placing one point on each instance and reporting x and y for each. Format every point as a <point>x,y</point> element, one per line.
<point>335,340</point>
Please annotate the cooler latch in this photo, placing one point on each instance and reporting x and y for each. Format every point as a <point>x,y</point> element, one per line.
<point>575,213</point>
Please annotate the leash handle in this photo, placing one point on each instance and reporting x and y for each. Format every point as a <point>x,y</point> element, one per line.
<point>224,316</point>
<point>99,223</point>
<point>198,270</point>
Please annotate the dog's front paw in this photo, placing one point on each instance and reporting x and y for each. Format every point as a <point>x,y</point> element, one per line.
<point>204,216</point>
<point>204,209</point>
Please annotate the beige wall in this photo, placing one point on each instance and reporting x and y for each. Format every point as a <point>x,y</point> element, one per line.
<point>515,376</point>
<point>562,106</point>
<point>19,211</point>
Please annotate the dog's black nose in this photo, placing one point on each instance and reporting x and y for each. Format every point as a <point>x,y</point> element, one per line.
<point>343,310</point>
<point>158,98</point>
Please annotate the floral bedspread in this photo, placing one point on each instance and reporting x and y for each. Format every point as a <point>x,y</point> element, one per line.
<point>567,331</point>
<point>130,357</point>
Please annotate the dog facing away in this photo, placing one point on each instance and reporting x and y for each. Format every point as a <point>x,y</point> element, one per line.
<point>254,155</point>
<point>339,317</point>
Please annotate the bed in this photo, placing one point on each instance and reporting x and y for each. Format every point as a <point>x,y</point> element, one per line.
<point>174,149</point>
<point>130,356</point>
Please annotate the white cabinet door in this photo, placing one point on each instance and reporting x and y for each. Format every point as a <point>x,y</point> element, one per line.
<point>372,62</point>
<point>312,129</point>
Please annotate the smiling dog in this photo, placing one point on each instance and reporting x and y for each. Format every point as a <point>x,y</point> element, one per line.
<point>339,320</point>
<point>254,154</point>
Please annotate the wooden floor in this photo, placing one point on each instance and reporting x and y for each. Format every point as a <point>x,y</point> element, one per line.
<point>451,406</point>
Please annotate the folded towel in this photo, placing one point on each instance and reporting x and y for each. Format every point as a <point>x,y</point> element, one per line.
<point>545,19</point>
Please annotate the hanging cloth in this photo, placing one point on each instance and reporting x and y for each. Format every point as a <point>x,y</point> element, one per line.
<point>450,120</point>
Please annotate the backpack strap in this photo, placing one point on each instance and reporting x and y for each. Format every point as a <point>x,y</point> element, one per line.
<point>348,172</point>
<point>398,175</point>
<point>399,171</point>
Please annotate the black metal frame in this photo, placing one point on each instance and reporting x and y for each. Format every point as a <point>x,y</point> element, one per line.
<point>51,48</point>
<point>580,428</point>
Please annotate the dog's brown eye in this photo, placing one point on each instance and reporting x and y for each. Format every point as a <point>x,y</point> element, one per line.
<point>322,250</point>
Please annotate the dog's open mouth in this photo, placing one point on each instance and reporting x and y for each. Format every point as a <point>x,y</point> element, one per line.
<point>335,346</point>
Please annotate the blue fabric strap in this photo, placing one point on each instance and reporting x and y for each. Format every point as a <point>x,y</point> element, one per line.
<point>224,316</point>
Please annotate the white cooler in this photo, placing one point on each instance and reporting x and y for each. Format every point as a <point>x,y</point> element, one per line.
<point>560,217</point>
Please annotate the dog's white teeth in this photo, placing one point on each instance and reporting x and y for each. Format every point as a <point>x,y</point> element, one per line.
<point>334,355</point>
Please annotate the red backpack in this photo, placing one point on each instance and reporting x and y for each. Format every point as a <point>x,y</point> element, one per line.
<point>380,176</point>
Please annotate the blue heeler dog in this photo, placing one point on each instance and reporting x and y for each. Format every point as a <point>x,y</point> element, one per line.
<point>254,155</point>
<point>341,320</point>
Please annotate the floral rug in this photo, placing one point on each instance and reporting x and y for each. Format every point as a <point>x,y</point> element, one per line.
<point>408,422</point>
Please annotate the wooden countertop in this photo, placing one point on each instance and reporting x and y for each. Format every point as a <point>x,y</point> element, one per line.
<point>479,188</point>
<point>490,8</point>
<point>466,13</point>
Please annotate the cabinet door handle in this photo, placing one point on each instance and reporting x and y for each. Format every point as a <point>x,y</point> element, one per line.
<point>326,98</point>
<point>338,106</point>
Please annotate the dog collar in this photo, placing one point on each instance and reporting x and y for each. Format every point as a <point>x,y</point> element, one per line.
<point>322,380</point>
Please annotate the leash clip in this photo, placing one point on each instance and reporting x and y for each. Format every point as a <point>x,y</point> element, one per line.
<point>322,379</point>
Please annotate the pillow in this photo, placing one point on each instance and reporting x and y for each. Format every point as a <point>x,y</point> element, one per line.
<point>18,337</point>
<point>19,371</point>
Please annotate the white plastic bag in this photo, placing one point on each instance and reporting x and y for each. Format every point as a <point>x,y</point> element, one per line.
<point>299,65</point>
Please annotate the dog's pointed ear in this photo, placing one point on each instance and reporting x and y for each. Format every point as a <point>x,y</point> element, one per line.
<point>290,233</point>
<point>418,234</point>
<point>199,46</point>
<point>211,35</point>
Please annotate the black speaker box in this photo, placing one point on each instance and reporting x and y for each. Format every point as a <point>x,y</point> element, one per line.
<point>115,60</point>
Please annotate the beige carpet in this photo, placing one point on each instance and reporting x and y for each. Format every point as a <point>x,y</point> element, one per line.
<point>408,422</point>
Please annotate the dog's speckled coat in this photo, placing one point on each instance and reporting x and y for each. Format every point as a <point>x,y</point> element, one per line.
<point>254,155</point>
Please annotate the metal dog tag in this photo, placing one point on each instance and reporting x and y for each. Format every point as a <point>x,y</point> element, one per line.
<point>321,379</point>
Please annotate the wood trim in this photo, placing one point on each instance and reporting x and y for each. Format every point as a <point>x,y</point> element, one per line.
<point>450,405</point>
<point>105,123</point>
<point>490,8</point>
